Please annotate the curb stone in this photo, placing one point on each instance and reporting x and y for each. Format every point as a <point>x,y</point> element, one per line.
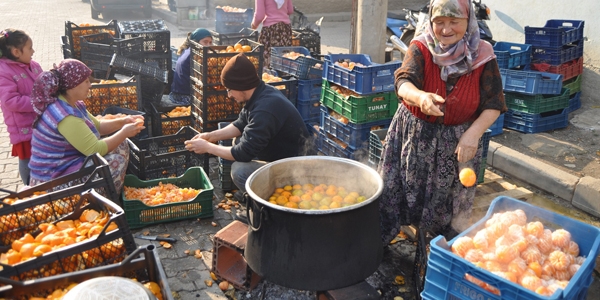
<point>587,195</point>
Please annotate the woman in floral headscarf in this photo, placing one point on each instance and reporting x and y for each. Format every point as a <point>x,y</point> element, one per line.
<point>450,90</point>
<point>65,133</point>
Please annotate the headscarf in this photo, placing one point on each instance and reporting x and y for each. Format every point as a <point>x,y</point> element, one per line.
<point>467,54</point>
<point>68,74</point>
<point>199,34</point>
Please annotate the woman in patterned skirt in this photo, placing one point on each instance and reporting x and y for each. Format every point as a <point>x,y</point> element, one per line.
<point>451,91</point>
<point>277,28</point>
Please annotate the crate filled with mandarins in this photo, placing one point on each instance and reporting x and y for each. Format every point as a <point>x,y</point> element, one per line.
<point>74,31</point>
<point>94,233</point>
<point>148,202</point>
<point>208,62</point>
<point>168,120</point>
<point>106,93</point>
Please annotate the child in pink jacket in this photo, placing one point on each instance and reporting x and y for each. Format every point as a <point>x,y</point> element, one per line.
<point>17,74</point>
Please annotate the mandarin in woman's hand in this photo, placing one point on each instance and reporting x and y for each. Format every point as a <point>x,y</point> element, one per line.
<point>467,177</point>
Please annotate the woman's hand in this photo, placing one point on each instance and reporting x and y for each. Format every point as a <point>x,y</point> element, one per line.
<point>467,146</point>
<point>430,104</point>
<point>197,145</point>
<point>138,119</point>
<point>132,129</point>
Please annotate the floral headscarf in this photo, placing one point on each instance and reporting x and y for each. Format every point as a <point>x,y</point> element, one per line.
<point>68,74</point>
<point>467,54</point>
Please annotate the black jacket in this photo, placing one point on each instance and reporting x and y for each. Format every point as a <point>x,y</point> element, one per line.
<point>271,127</point>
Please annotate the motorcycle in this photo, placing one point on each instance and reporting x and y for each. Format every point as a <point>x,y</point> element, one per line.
<point>416,20</point>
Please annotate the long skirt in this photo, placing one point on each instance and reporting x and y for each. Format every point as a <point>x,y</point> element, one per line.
<point>117,163</point>
<point>420,177</point>
<point>276,35</point>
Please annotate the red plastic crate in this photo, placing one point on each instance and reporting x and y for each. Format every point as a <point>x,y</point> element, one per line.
<point>568,70</point>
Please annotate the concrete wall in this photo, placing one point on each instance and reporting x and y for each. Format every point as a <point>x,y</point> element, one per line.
<point>509,18</point>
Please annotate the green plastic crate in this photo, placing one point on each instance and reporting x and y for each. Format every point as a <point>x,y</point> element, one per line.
<point>139,214</point>
<point>573,84</point>
<point>360,109</point>
<point>535,104</point>
<point>481,173</point>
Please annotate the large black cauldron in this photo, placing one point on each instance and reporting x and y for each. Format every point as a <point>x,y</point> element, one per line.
<point>314,249</point>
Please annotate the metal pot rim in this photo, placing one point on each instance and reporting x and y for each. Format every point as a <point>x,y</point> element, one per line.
<point>314,211</point>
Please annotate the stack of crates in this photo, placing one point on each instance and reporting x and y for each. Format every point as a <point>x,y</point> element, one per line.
<point>210,102</point>
<point>357,96</point>
<point>558,48</point>
<point>232,21</point>
<point>227,184</point>
<point>71,41</point>
<point>307,72</point>
<point>157,41</point>
<point>98,49</point>
<point>230,38</point>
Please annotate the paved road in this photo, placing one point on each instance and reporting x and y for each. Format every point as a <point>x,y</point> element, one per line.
<point>45,20</point>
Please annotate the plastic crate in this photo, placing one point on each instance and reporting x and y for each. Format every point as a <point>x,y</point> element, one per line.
<point>65,47</point>
<point>211,107</point>
<point>163,125</point>
<point>481,171</point>
<point>54,199</point>
<point>97,49</point>
<point>361,109</point>
<point>232,22</point>
<point>314,140</point>
<point>140,215</point>
<point>153,79</point>
<point>174,57</point>
<point>288,87</point>
<point>114,110</point>
<point>446,271</point>
<point>555,33</point>
<point>157,37</point>
<point>229,39</point>
<point>531,82</point>
<point>373,78</point>
<point>158,60</point>
<point>163,156</point>
<point>74,31</point>
<point>310,89</point>
<point>225,178</point>
<point>574,102</point>
<point>568,70</point>
<point>330,148</point>
<point>376,138</point>
<point>143,264</point>
<point>485,142</point>
<point>354,135</point>
<point>125,94</point>
<point>573,84</point>
<point>308,39</point>
<point>557,56</point>
<point>512,55</point>
<point>534,123</point>
<point>107,248</point>
<point>535,104</point>
<point>497,126</point>
<point>303,67</point>
<point>208,62</point>
<point>309,110</point>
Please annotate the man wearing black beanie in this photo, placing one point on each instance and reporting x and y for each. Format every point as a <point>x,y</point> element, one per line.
<point>268,128</point>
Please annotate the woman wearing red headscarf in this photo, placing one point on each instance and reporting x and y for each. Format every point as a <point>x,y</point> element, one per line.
<point>450,90</point>
<point>65,133</point>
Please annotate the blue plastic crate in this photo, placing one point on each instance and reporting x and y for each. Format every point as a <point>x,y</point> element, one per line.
<point>531,82</point>
<point>574,102</point>
<point>309,89</point>
<point>354,135</point>
<point>232,22</point>
<point>496,127</point>
<point>309,110</point>
<point>376,146</point>
<point>555,33</point>
<point>512,55</point>
<point>313,131</point>
<point>330,148</point>
<point>446,271</point>
<point>485,142</point>
<point>303,67</point>
<point>557,56</point>
<point>373,78</point>
<point>534,123</point>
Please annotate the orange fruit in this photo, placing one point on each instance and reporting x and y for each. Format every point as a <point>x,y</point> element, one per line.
<point>467,177</point>
<point>291,204</point>
<point>281,200</point>
<point>237,47</point>
<point>246,48</point>
<point>41,249</point>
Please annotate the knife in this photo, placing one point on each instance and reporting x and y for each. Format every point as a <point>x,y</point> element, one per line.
<point>155,238</point>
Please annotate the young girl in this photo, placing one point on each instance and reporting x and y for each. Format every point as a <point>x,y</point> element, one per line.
<point>17,74</point>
